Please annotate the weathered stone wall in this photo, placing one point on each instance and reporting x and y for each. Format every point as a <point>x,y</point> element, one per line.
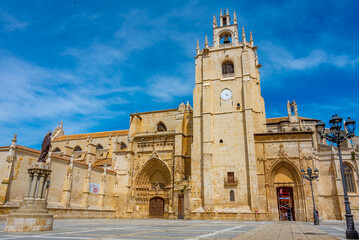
<point>68,191</point>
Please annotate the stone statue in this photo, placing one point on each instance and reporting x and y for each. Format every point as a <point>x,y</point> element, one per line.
<point>45,147</point>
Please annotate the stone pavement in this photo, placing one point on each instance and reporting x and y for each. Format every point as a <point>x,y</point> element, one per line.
<point>285,231</point>
<point>162,229</point>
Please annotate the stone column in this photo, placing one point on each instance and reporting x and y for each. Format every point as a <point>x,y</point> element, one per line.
<point>33,183</point>
<point>66,192</point>
<point>9,164</point>
<point>86,189</point>
<point>40,186</point>
<point>32,214</point>
<point>102,190</point>
<point>31,175</point>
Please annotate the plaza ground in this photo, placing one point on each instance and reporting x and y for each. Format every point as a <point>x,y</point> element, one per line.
<point>182,229</point>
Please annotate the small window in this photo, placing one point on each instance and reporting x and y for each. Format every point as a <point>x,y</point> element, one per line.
<point>221,141</point>
<point>224,21</point>
<point>123,146</point>
<point>77,149</point>
<point>292,110</point>
<point>349,178</point>
<point>231,196</point>
<point>228,69</point>
<point>161,127</point>
<point>99,146</point>
<point>309,129</point>
<point>230,177</point>
<point>57,150</point>
<point>294,129</point>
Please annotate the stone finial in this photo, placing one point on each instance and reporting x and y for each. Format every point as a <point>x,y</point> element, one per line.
<point>67,141</point>
<point>214,21</point>
<point>251,39</point>
<point>14,139</point>
<point>227,13</point>
<point>188,106</point>
<point>256,57</point>
<point>88,138</point>
<point>181,107</point>
<point>197,47</point>
<point>206,42</point>
<point>220,14</point>
<point>234,17</point>
<point>243,35</point>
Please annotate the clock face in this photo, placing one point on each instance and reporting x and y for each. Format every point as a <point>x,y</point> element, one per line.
<point>226,94</point>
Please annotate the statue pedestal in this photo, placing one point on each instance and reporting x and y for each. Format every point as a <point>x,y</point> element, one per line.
<point>32,214</point>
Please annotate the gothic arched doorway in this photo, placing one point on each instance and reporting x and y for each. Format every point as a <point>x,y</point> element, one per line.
<point>153,189</point>
<point>286,201</point>
<point>157,206</point>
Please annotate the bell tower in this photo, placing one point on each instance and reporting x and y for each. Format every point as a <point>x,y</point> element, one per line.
<point>228,110</point>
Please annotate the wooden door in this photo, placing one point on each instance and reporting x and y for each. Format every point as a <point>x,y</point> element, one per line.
<point>157,206</point>
<point>180,206</point>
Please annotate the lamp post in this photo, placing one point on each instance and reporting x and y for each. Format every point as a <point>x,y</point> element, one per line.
<point>310,176</point>
<point>337,136</point>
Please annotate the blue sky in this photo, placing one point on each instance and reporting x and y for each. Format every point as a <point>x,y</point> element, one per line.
<point>92,63</point>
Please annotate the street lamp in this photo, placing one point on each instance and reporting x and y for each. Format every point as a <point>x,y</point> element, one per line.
<point>338,136</point>
<point>310,176</point>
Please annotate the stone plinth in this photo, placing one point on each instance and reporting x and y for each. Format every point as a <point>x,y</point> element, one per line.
<point>32,214</point>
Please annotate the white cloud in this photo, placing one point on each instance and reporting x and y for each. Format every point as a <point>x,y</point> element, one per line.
<point>164,88</point>
<point>35,95</point>
<point>11,23</point>
<point>280,59</point>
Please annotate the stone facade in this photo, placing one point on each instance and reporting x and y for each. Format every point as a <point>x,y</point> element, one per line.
<point>223,159</point>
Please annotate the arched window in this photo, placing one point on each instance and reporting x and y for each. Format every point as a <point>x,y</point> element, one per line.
<point>349,178</point>
<point>294,129</point>
<point>99,146</point>
<point>57,150</point>
<point>309,129</point>
<point>161,127</point>
<point>227,69</point>
<point>292,110</point>
<point>77,149</point>
<point>123,145</point>
<point>225,38</point>
<point>231,196</point>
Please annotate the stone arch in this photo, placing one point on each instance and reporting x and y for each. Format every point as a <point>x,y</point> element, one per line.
<point>285,174</point>
<point>153,180</point>
<point>286,170</point>
<point>123,146</point>
<point>57,150</point>
<point>77,149</point>
<point>225,34</point>
<point>161,127</point>
<point>152,170</point>
<point>349,178</point>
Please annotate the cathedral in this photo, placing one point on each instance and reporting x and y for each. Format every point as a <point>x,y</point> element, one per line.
<point>218,159</point>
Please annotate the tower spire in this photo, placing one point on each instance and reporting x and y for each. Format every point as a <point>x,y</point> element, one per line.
<point>214,21</point>
<point>220,13</point>
<point>227,13</point>
<point>243,35</point>
<point>234,18</point>
<point>197,47</point>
